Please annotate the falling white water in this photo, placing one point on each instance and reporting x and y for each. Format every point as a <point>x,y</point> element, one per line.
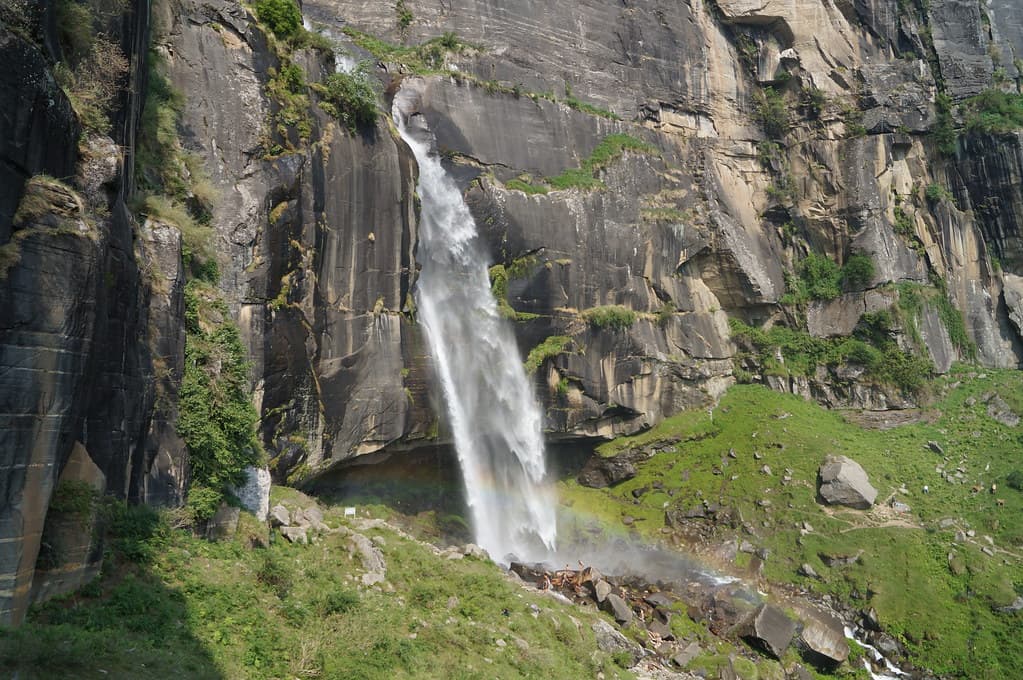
<point>494,418</point>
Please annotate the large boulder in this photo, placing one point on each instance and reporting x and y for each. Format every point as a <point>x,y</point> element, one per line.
<point>824,638</point>
<point>770,629</point>
<point>844,482</point>
<point>612,641</point>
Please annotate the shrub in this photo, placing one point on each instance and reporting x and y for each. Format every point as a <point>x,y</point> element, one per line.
<point>613,317</point>
<point>548,349</point>
<point>283,17</point>
<point>858,271</point>
<point>217,420</point>
<point>403,14</point>
<point>95,83</point>
<point>994,112</point>
<point>772,112</point>
<point>203,502</point>
<point>525,187</point>
<point>353,98</point>
<point>944,131</point>
<point>275,575</point>
<point>338,602</point>
<point>607,151</point>
<point>821,277</point>
<point>73,497</point>
<point>1015,480</point>
<point>937,193</point>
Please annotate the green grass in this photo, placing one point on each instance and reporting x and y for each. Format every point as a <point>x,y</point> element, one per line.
<point>198,609</point>
<point>946,620</point>
<point>610,317</point>
<point>606,152</point>
<point>548,349</point>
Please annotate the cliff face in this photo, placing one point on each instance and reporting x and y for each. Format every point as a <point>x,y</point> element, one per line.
<point>706,220</point>
<point>87,306</point>
<point>681,160</point>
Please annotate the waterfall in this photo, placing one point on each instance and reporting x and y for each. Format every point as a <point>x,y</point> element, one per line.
<point>496,423</point>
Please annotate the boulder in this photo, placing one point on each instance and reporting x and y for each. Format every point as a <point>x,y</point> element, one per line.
<point>601,589</point>
<point>600,472</point>
<point>295,534</point>
<point>844,482</point>
<point>660,629</point>
<point>690,652</point>
<point>824,637</point>
<point>770,629</point>
<point>999,410</point>
<point>618,608</point>
<point>612,641</point>
<point>279,516</point>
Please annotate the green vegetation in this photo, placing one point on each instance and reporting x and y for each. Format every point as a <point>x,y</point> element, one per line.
<point>94,71</point>
<point>289,91</point>
<point>73,497</point>
<point>424,59</point>
<point>351,98</point>
<point>606,152</point>
<point>944,132</point>
<point>938,194</point>
<point>943,611</point>
<point>820,278</point>
<point>610,317</point>
<point>526,186</point>
<point>499,275</point>
<point>772,112</point>
<point>802,353</point>
<point>170,604</point>
<point>858,271</point>
<point>217,419</point>
<point>403,14</point>
<point>994,112</point>
<point>548,349</point>
<point>282,17</point>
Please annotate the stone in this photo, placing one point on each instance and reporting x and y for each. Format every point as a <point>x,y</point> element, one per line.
<point>688,653</point>
<point>824,636</point>
<point>844,482</point>
<point>998,409</point>
<point>660,629</point>
<point>936,447</point>
<point>770,629</point>
<point>610,640</point>
<point>658,600</point>
<point>279,516</point>
<point>618,608</point>
<point>295,534</point>
<point>601,589</point>
<point>807,571</point>
<point>476,552</point>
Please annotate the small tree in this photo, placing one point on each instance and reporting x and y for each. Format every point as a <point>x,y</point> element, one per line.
<point>352,98</point>
<point>283,17</point>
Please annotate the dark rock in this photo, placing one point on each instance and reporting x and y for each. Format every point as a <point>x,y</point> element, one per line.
<point>844,482</point>
<point>688,653</point>
<point>618,608</point>
<point>637,493</point>
<point>837,560</point>
<point>224,522</point>
<point>658,600</point>
<point>660,629</point>
<point>600,472</point>
<point>936,447</point>
<point>770,629</point>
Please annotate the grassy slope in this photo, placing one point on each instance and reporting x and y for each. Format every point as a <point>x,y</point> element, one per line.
<point>947,620</point>
<point>171,605</point>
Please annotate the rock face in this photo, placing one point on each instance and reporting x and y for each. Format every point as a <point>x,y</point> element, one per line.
<point>844,482</point>
<point>81,316</point>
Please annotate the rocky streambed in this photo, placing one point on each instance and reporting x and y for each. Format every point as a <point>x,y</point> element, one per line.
<point>646,608</point>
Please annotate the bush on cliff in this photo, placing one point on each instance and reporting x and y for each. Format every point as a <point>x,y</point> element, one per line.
<point>283,17</point>
<point>217,420</point>
<point>612,317</point>
<point>351,98</point>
